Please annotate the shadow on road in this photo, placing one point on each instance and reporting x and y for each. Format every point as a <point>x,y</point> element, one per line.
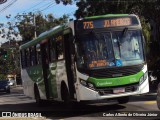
<point>147,97</point>
<point>59,111</point>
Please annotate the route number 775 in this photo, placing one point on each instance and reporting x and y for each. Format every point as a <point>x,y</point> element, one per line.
<point>88,25</point>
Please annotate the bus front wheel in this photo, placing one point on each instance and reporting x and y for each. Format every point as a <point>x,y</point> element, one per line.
<point>123,100</point>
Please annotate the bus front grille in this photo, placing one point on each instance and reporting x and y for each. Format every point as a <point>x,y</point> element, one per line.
<point>110,90</point>
<point>115,72</point>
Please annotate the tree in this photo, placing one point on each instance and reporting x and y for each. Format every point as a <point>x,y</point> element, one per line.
<point>8,32</point>
<point>30,23</point>
<point>87,7</point>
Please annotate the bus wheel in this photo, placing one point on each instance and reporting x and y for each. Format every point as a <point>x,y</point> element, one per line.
<point>158,96</point>
<point>37,96</point>
<point>123,100</point>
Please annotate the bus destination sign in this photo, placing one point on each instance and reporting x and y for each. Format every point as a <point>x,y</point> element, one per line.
<point>117,22</point>
<point>108,22</point>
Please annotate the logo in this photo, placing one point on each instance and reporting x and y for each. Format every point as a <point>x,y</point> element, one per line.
<point>2,1</point>
<point>6,114</point>
<point>17,114</point>
<point>118,63</point>
<point>105,83</point>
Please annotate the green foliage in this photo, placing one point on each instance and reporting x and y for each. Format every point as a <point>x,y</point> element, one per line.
<point>65,2</point>
<point>146,32</point>
<point>7,62</point>
<point>30,23</point>
<point>87,7</point>
<point>3,76</point>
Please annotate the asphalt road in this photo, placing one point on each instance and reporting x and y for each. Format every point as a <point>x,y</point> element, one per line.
<point>17,101</point>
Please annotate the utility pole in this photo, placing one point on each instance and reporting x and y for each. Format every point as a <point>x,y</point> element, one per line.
<point>34,23</point>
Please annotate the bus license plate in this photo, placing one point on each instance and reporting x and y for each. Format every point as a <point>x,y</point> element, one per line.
<point>119,90</point>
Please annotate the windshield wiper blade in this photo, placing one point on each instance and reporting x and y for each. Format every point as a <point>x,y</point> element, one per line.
<point>94,33</point>
<point>124,32</point>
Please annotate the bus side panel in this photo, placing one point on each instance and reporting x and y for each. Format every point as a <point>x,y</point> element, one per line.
<point>28,84</point>
<point>61,75</point>
<point>34,75</point>
<point>53,80</point>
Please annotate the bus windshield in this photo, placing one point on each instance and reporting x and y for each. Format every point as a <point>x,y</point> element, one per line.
<point>109,49</point>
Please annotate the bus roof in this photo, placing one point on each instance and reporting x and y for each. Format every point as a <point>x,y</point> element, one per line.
<point>107,15</point>
<point>42,36</point>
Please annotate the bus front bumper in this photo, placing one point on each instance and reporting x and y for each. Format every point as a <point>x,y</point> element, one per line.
<point>89,94</point>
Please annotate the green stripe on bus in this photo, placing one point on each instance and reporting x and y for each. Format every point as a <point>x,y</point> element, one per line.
<point>108,82</point>
<point>108,15</point>
<point>42,37</point>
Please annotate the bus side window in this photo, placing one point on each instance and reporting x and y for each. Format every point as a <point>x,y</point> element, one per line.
<point>52,50</point>
<point>33,55</point>
<point>46,52</point>
<point>23,60</point>
<point>59,50</point>
<point>27,57</point>
<point>38,54</point>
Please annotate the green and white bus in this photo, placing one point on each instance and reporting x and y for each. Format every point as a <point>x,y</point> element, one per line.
<point>95,58</point>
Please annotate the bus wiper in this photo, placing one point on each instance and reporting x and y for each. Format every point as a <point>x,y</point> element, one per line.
<point>124,32</point>
<point>121,39</point>
<point>94,33</point>
<point>119,44</point>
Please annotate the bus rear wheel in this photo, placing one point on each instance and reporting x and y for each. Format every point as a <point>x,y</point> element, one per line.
<point>123,100</point>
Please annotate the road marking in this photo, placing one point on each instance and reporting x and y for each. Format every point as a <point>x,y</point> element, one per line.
<point>150,102</point>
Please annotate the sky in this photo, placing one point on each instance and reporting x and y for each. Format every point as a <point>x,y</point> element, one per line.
<point>13,7</point>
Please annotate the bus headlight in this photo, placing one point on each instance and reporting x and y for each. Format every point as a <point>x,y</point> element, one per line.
<point>87,84</point>
<point>143,78</point>
<point>83,82</point>
<point>91,86</point>
<point>145,75</point>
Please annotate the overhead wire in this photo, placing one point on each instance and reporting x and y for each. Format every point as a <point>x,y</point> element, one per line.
<point>36,10</point>
<point>48,4</point>
<point>8,5</point>
<point>33,6</point>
